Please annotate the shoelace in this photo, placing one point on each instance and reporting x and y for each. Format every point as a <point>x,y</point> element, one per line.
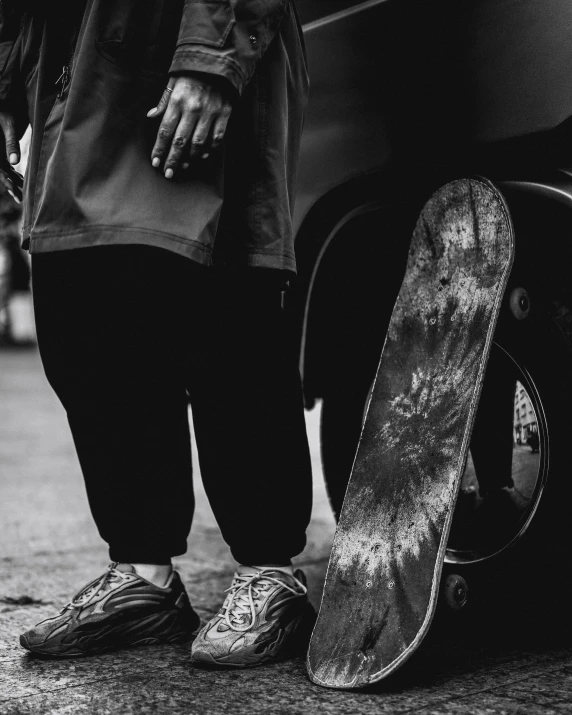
<point>99,586</point>
<point>245,591</point>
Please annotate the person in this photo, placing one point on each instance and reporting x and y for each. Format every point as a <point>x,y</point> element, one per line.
<point>157,210</point>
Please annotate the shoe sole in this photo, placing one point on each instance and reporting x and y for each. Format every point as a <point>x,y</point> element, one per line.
<point>179,637</point>
<point>298,631</point>
<point>184,638</point>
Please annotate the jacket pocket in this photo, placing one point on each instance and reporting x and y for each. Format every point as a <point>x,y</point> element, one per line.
<point>139,34</point>
<point>206,22</point>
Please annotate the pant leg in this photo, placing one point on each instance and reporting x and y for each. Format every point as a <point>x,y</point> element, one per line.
<point>109,332</point>
<point>249,422</point>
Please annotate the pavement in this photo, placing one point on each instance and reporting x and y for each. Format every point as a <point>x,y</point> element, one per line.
<point>517,663</point>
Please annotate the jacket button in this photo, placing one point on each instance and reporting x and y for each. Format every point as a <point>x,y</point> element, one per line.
<point>253,39</point>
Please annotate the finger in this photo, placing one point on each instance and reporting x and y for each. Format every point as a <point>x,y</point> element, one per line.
<point>181,138</point>
<point>12,144</point>
<point>164,101</point>
<point>165,135</point>
<point>200,144</point>
<point>219,128</point>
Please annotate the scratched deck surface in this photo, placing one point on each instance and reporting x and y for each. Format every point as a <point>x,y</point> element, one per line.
<point>386,561</point>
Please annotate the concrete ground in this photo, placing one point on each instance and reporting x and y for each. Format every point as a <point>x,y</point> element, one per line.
<point>49,547</point>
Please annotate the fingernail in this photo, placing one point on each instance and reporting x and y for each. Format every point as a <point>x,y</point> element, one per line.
<point>151,112</point>
<point>156,161</point>
<point>205,156</point>
<point>14,158</point>
<point>186,165</point>
<point>169,174</point>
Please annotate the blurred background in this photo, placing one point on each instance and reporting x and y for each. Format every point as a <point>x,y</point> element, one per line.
<point>16,315</point>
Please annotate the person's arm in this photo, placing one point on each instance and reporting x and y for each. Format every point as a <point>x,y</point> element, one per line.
<point>218,48</point>
<point>226,38</point>
<point>10,42</point>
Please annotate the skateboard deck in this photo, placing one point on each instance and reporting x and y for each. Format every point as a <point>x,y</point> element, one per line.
<point>385,567</point>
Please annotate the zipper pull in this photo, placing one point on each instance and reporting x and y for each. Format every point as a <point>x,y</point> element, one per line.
<point>64,78</point>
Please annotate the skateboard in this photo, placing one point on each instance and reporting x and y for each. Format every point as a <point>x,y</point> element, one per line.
<point>385,566</point>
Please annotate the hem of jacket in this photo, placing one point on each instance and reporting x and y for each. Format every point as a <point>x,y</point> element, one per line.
<point>45,242</point>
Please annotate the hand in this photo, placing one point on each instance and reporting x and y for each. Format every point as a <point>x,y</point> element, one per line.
<point>8,126</point>
<point>195,117</point>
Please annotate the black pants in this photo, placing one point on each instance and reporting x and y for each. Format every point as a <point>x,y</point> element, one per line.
<point>124,333</point>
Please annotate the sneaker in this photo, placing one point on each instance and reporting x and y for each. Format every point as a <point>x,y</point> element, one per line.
<point>258,619</point>
<point>117,610</point>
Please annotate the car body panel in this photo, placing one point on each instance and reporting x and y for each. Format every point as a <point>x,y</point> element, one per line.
<point>408,82</point>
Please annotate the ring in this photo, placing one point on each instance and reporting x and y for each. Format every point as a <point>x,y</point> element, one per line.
<point>168,89</point>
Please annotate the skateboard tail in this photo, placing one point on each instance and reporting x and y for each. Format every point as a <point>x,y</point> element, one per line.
<point>383,577</point>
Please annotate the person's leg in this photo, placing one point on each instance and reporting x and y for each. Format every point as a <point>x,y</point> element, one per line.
<point>249,422</point>
<point>108,331</point>
<point>253,451</point>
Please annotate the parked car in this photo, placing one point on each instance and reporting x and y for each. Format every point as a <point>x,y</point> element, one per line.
<point>406,95</point>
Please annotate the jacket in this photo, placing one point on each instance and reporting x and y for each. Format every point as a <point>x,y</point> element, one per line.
<point>85,84</point>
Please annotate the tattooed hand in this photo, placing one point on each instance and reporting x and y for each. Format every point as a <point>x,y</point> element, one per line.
<point>195,110</point>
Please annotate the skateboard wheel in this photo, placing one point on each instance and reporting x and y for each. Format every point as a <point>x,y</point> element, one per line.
<point>520,303</point>
<point>455,592</point>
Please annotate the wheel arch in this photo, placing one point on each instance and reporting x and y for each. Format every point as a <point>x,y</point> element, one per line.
<point>320,242</point>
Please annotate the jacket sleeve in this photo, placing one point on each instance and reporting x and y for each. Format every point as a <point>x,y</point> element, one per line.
<point>226,37</point>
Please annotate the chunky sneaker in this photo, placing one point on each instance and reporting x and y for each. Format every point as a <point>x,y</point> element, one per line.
<point>257,621</point>
<point>117,610</point>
